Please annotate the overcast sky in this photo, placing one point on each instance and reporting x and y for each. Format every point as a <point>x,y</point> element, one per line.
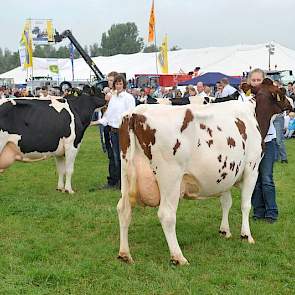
<point>188,23</point>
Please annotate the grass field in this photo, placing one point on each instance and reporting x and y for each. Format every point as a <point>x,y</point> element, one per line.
<point>53,243</point>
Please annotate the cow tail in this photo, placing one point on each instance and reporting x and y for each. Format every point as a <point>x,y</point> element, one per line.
<point>132,170</point>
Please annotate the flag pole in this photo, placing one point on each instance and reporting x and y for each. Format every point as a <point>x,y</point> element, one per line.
<point>156,44</point>
<point>152,31</point>
<point>30,36</point>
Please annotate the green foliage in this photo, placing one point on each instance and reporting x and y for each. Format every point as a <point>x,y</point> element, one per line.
<point>49,51</point>
<point>175,48</point>
<point>54,243</point>
<point>94,50</point>
<point>121,39</point>
<point>8,60</point>
<point>151,48</point>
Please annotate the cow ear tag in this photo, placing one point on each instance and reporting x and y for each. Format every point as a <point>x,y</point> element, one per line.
<point>248,93</point>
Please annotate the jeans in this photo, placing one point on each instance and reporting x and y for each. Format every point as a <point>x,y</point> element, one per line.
<point>116,153</point>
<point>280,146</point>
<point>264,195</point>
<point>112,178</point>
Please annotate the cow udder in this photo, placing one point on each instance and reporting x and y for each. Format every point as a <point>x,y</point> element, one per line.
<point>148,193</point>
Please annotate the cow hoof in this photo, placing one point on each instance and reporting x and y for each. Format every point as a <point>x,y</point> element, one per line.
<point>125,258</point>
<point>226,234</point>
<point>178,261</point>
<point>251,240</point>
<point>69,191</point>
<point>60,190</point>
<point>248,238</point>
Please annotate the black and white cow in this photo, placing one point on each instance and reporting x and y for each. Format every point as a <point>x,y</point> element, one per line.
<point>32,129</point>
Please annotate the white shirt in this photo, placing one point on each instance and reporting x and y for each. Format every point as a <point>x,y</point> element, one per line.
<point>228,90</point>
<point>271,133</point>
<point>118,105</point>
<point>202,93</point>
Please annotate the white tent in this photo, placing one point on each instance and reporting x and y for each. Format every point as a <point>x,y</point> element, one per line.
<point>231,60</point>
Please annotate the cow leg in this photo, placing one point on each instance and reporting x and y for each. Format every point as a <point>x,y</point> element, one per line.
<point>60,166</point>
<point>170,193</point>
<point>247,187</point>
<point>124,214</point>
<point>70,155</point>
<point>226,203</point>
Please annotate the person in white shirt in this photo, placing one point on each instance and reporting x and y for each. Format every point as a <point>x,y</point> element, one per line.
<point>200,89</point>
<point>227,89</point>
<point>219,88</point>
<point>120,102</point>
<point>264,194</point>
<point>106,136</point>
<point>44,93</point>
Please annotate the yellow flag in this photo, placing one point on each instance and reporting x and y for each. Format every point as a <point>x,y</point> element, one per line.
<point>163,56</point>
<point>50,30</point>
<point>152,24</point>
<point>26,41</point>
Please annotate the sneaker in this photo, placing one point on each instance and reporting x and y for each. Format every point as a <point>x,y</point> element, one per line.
<point>284,161</point>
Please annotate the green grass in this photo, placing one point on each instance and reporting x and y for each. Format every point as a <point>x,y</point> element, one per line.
<point>53,243</point>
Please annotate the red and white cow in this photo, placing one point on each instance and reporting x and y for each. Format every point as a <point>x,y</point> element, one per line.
<point>192,152</point>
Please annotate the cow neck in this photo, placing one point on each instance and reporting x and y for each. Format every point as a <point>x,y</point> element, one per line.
<point>85,105</point>
<point>264,111</point>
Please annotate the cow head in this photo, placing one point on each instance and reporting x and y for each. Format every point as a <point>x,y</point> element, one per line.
<point>274,95</point>
<point>270,100</point>
<point>246,88</point>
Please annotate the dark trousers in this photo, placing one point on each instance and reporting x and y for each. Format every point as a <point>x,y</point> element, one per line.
<point>280,140</point>
<point>264,195</point>
<point>112,178</point>
<point>116,153</point>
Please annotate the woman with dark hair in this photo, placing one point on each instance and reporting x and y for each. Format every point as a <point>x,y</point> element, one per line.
<point>120,102</point>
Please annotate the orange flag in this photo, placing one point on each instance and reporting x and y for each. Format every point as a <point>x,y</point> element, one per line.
<point>152,24</point>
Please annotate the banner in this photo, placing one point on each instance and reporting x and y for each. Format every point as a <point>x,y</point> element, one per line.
<point>26,47</point>
<point>152,24</point>
<point>163,56</point>
<point>72,54</point>
<point>42,31</point>
<point>53,66</point>
<point>22,51</point>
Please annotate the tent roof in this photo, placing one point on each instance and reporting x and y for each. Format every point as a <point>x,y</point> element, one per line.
<point>211,79</point>
<point>230,60</point>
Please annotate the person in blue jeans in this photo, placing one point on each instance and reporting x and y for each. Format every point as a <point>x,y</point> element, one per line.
<point>264,194</point>
<point>280,152</point>
<point>120,103</point>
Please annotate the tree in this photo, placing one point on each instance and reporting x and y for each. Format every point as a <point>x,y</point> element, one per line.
<point>94,50</point>
<point>49,51</point>
<point>151,48</point>
<point>175,48</point>
<point>121,39</point>
<point>8,60</point>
